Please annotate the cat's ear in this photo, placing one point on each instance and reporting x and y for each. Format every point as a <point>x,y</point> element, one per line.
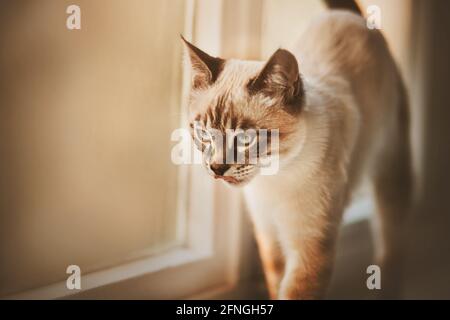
<point>279,78</point>
<point>205,69</point>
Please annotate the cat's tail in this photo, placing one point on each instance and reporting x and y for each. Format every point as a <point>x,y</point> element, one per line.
<point>344,4</point>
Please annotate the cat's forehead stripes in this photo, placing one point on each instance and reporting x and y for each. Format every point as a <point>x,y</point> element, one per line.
<point>221,114</point>
<point>228,120</point>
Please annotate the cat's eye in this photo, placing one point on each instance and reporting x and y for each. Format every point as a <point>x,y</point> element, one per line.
<point>245,140</point>
<point>202,135</point>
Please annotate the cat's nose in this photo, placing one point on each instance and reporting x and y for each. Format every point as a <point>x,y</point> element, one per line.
<point>219,169</point>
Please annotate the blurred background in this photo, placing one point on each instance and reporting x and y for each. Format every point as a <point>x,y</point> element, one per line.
<point>86,176</point>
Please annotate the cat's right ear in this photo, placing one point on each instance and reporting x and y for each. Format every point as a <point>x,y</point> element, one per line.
<point>279,78</point>
<point>205,68</point>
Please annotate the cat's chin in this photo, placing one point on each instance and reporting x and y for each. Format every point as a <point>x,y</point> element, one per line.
<point>234,182</point>
<point>237,183</point>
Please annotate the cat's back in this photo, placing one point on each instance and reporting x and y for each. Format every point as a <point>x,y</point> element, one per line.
<point>339,41</point>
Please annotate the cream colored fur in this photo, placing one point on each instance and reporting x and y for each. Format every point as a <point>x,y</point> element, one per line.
<point>351,122</point>
<point>354,122</point>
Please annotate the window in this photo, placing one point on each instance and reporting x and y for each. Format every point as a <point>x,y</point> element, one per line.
<point>97,185</point>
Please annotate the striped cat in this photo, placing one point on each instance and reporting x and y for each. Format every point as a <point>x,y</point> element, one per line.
<point>338,104</point>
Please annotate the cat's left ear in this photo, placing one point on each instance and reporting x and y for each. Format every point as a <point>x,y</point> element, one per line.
<point>205,68</point>
<point>279,78</point>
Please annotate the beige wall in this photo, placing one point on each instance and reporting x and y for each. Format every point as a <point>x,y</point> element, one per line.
<point>85,123</point>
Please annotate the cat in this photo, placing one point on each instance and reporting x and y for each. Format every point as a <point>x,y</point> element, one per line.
<point>339,105</point>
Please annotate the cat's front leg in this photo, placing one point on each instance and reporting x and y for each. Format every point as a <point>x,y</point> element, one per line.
<point>272,260</point>
<point>308,242</point>
<point>308,271</point>
<point>261,211</point>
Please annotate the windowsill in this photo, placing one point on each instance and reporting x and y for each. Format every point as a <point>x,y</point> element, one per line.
<point>172,258</point>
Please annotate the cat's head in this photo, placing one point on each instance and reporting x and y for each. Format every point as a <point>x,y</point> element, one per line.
<point>236,108</point>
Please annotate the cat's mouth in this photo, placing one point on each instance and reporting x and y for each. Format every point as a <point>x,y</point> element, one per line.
<point>231,180</point>
<point>228,179</point>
